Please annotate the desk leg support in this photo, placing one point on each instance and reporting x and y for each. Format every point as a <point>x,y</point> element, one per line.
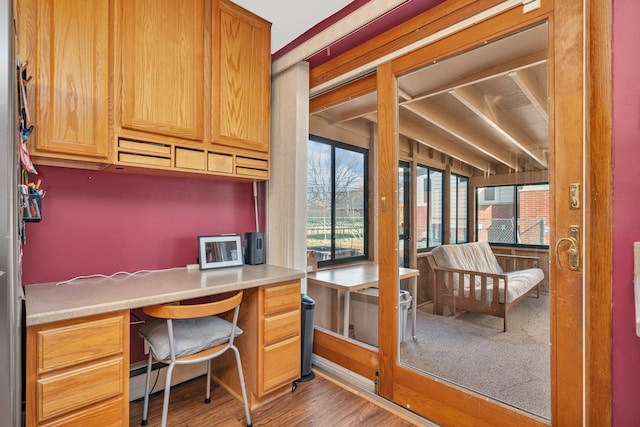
<point>414,306</point>
<point>345,328</point>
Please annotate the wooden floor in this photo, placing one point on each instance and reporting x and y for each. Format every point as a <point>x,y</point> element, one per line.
<point>320,402</point>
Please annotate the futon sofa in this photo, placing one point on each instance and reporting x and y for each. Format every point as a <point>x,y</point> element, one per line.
<point>466,276</point>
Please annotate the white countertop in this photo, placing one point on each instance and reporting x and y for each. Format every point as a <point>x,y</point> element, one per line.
<point>355,277</point>
<point>50,302</point>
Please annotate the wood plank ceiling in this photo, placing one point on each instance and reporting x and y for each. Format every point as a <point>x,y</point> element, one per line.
<point>486,107</point>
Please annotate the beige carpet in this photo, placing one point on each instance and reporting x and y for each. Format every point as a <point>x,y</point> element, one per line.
<point>471,351</point>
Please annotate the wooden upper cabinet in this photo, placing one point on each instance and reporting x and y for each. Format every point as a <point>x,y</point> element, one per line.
<point>71,78</point>
<point>162,66</point>
<point>241,78</point>
<point>182,86</point>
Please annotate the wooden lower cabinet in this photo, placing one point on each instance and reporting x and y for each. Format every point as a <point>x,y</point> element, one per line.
<point>77,372</point>
<point>279,337</point>
<point>270,344</point>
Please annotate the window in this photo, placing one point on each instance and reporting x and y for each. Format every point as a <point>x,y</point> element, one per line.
<point>517,215</point>
<point>429,207</point>
<point>337,196</point>
<point>489,194</point>
<point>459,207</point>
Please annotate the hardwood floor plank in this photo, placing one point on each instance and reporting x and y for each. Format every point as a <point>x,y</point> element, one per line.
<point>320,402</point>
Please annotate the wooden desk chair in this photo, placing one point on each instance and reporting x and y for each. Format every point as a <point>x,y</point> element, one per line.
<point>185,334</point>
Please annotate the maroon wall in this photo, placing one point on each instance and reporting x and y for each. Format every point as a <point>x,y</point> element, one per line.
<point>105,222</point>
<point>626,209</point>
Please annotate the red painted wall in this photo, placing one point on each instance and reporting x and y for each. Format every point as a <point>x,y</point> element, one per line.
<point>626,209</point>
<point>104,222</point>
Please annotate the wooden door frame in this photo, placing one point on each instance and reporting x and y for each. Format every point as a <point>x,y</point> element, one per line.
<point>597,259</point>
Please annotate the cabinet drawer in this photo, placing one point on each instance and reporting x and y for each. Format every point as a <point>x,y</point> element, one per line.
<point>281,364</point>
<point>278,299</point>
<point>147,147</point>
<point>74,389</point>
<point>252,172</point>
<point>73,344</point>
<point>220,163</point>
<point>109,414</point>
<point>144,160</point>
<point>277,328</point>
<point>249,162</point>
<point>190,159</point>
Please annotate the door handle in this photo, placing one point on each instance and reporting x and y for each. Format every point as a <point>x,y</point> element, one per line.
<point>573,251</point>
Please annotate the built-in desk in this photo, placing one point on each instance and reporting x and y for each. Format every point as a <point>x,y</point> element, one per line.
<point>358,277</point>
<point>78,338</point>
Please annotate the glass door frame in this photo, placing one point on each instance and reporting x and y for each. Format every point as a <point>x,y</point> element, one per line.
<point>404,237</point>
<point>426,395</point>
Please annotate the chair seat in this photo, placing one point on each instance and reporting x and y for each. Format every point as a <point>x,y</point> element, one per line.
<point>189,335</point>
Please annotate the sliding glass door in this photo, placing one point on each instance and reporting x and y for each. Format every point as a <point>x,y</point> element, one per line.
<point>484,111</point>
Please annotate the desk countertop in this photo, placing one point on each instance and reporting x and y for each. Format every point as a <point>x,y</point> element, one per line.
<point>50,302</point>
<point>353,278</point>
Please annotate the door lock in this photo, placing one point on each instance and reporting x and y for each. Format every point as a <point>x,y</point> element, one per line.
<point>574,196</point>
<point>574,248</point>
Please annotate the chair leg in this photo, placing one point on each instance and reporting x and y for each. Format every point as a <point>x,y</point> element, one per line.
<point>207,398</point>
<point>242,387</point>
<point>167,390</point>
<point>145,407</point>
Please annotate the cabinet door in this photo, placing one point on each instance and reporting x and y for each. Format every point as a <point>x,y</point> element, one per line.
<point>72,84</point>
<point>279,340</point>
<point>162,61</point>
<point>77,371</point>
<point>241,78</point>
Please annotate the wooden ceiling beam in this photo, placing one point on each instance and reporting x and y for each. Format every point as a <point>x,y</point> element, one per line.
<point>483,107</point>
<point>450,124</point>
<point>518,64</point>
<point>533,90</point>
<point>354,114</point>
<point>414,130</point>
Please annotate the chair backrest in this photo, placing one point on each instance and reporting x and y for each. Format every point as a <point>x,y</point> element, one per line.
<point>164,311</point>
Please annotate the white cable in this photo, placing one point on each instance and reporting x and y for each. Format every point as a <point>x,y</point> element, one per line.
<point>91,276</point>
<point>255,203</point>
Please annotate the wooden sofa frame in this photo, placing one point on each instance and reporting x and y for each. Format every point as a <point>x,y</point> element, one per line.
<point>458,301</point>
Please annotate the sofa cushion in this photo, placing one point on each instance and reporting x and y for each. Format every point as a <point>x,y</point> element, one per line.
<point>521,282</point>
<point>476,256</point>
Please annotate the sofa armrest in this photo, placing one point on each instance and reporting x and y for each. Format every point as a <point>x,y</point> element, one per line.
<point>523,257</point>
<point>517,258</point>
<point>470,272</point>
<point>449,272</point>
<point>483,288</point>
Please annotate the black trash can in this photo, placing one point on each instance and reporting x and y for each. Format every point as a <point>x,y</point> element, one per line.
<point>308,308</point>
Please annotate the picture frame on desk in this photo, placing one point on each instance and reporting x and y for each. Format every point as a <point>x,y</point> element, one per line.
<point>219,251</point>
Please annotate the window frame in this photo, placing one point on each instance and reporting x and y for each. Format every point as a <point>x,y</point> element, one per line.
<point>516,208</point>
<point>458,178</point>
<point>365,152</point>
<point>430,169</point>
